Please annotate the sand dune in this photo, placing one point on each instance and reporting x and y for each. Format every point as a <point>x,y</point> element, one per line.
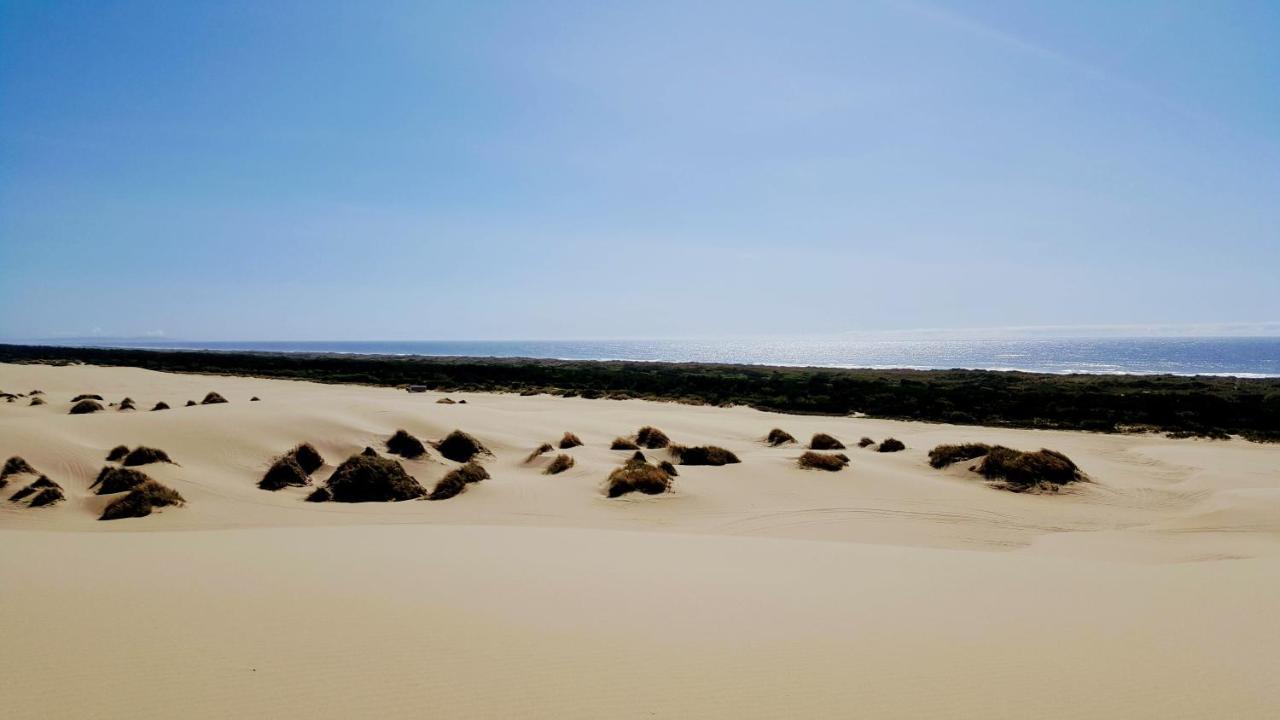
<point>887,589</point>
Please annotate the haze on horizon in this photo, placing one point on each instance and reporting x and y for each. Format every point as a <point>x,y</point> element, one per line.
<point>406,170</point>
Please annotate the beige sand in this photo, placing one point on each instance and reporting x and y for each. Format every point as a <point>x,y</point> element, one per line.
<point>754,591</point>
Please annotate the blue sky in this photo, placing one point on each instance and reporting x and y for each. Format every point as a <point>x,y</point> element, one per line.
<point>417,170</point>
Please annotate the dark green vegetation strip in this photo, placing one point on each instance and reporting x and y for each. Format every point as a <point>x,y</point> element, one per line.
<point>1203,406</point>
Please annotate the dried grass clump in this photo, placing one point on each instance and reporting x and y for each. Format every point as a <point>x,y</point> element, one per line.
<point>320,494</point>
<point>944,455</point>
<point>84,407</point>
<point>190,403</point>
<point>891,445</point>
<point>866,442</point>
<point>445,401</point>
<point>162,405</point>
<point>113,480</point>
<point>255,398</point>
<point>778,436</point>
<point>569,440</point>
<point>213,398</point>
<point>36,400</point>
<point>538,452</point>
<point>703,455</point>
<point>284,472</point>
<point>86,396</point>
<point>461,447</point>
<point>48,496</point>
<point>141,500</point>
<point>456,481</point>
<point>823,441</point>
<point>652,438</point>
<point>145,456</point>
<point>46,491</point>
<point>405,445</point>
<point>621,443</point>
<point>824,461</point>
<point>668,468</point>
<point>117,453</point>
<point>15,466</point>
<point>127,404</point>
<point>637,477</point>
<point>369,452</point>
<point>307,457</point>
<point>1044,469</point>
<point>361,478</point>
<point>559,464</point>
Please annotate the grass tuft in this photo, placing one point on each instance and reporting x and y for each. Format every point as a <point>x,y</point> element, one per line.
<point>823,461</point>
<point>778,436</point>
<point>141,500</point>
<point>823,441</point>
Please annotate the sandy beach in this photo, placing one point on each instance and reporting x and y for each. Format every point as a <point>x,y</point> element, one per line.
<point>755,590</point>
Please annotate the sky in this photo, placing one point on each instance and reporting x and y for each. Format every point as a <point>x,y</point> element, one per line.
<point>550,170</point>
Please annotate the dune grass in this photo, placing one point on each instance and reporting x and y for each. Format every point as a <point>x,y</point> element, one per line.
<point>622,443</point>
<point>36,400</point>
<point>569,440</point>
<point>141,501</point>
<point>1045,470</point>
<point>866,442</point>
<point>112,480</point>
<point>127,404</point>
<point>213,398</point>
<point>162,405</point>
<point>703,455</point>
<point>889,445</point>
<point>84,407</point>
<point>823,441</point>
<point>559,464</point>
<point>284,472</point>
<point>405,445</point>
<point>145,456</point>
<point>117,453</point>
<point>637,477</point>
<point>823,461</point>
<point>539,452</point>
<point>944,455</point>
<point>307,457</point>
<point>362,478</point>
<point>652,438</point>
<point>86,396</point>
<point>461,447</point>
<point>778,436</point>
<point>456,481</point>
<point>15,466</point>
<point>46,492</point>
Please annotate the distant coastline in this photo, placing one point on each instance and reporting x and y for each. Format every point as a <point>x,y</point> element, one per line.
<point>1203,406</point>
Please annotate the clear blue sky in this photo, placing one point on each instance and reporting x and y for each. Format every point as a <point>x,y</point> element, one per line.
<point>415,170</point>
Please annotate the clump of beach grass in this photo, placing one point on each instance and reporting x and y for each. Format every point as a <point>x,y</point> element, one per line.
<point>637,477</point>
<point>456,481</point>
<point>117,453</point>
<point>703,455</point>
<point>113,480</point>
<point>84,407</point>
<point>145,456</point>
<point>622,443</point>
<point>405,445</point>
<point>362,478</point>
<point>539,452</point>
<point>652,438</point>
<point>213,398</point>
<point>162,405</point>
<point>823,441</point>
<point>284,472</point>
<point>866,442</point>
<point>944,455</point>
<point>307,457</point>
<point>778,436</point>
<point>569,440</point>
<point>461,447</point>
<point>559,464</point>
<point>141,500</point>
<point>15,466</point>
<point>889,445</point>
<point>823,461</point>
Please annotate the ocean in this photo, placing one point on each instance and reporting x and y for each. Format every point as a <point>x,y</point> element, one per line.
<point>1242,357</point>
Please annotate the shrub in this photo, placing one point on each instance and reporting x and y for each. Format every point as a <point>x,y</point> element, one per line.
<point>117,453</point>
<point>944,455</point>
<point>15,466</point>
<point>569,440</point>
<point>1021,471</point>
<point>824,461</point>
<point>703,455</point>
<point>369,452</point>
<point>85,407</point>
<point>405,445</point>
<point>778,436</point>
<point>444,401</point>
<point>162,405</point>
<point>36,400</point>
<point>141,500</point>
<point>36,392</point>
<point>48,496</point>
<point>866,442</point>
<point>113,480</point>
<point>213,398</point>
<point>621,443</point>
<point>538,451</point>
<point>652,438</point>
<point>456,481</point>
<point>320,494</point>
<point>78,398</point>
<point>460,447</point>
<point>361,478</point>
<point>145,456</point>
<point>891,445</point>
<point>127,404</point>
<point>255,398</point>
<point>307,457</point>
<point>191,403</point>
<point>284,472</point>
<point>45,490</point>
<point>668,468</point>
<point>637,477</point>
<point>823,441</point>
<point>559,464</point>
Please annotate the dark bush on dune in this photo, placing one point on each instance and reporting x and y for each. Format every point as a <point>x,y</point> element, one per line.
<point>78,398</point>
<point>117,453</point>
<point>320,494</point>
<point>444,401</point>
<point>369,452</point>
<point>307,457</point>
<point>652,438</point>
<point>191,403</point>
<point>668,468</point>
<point>127,404</point>
<point>255,398</point>
<point>891,445</point>
<point>85,407</point>
<point>621,443</point>
<point>778,436</point>
<point>37,400</point>
<point>141,500</point>
<point>538,452</point>
<point>569,440</point>
<point>637,457</point>
<point>284,472</point>
<point>1023,471</point>
<point>15,466</point>
<point>45,490</point>
<point>213,398</point>
<point>405,445</point>
<point>36,392</point>
<point>145,456</point>
<point>703,455</point>
<point>113,480</point>
<point>823,441</point>
<point>48,496</point>
<point>456,481</point>
<point>362,478</point>
<point>866,442</point>
<point>944,455</point>
<point>824,461</point>
<point>559,464</point>
<point>162,405</point>
<point>637,477</point>
<point>461,447</point>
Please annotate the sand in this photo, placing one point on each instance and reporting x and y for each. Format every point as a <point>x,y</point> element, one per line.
<point>756,590</point>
